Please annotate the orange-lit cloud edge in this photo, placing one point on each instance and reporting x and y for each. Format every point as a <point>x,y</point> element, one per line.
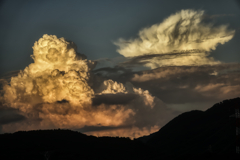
<point>59,90</point>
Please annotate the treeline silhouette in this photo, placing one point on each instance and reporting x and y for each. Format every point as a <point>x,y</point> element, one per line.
<point>66,144</point>
<point>192,135</point>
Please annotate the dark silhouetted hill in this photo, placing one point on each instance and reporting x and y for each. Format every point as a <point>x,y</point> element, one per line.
<point>68,145</point>
<point>198,134</point>
<point>191,135</point>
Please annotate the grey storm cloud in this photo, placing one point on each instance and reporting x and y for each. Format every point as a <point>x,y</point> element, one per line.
<point>142,60</point>
<point>171,84</point>
<point>9,115</point>
<point>113,98</point>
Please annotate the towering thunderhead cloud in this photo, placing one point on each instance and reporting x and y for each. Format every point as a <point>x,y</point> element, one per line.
<point>56,74</point>
<point>56,91</point>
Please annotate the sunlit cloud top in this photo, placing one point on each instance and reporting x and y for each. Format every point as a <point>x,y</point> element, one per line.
<point>57,91</point>
<point>182,31</point>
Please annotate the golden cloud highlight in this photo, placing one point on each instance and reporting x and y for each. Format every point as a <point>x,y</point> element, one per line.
<point>182,31</point>
<point>56,91</point>
<point>132,132</point>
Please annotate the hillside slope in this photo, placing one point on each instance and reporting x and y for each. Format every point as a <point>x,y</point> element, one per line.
<point>198,132</point>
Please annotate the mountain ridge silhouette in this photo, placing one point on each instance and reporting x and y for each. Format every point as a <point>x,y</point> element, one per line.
<point>195,134</point>
<point>198,132</point>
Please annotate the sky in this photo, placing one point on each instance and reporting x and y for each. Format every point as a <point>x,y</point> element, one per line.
<point>123,68</point>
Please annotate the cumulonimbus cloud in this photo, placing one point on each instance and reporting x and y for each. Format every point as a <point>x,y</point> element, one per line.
<point>182,31</point>
<point>58,91</point>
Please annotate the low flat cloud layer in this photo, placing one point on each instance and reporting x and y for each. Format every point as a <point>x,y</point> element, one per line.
<point>188,84</point>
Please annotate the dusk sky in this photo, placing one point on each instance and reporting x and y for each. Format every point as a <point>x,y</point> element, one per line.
<point>150,61</point>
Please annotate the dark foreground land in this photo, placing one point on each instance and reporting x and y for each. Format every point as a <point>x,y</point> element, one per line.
<point>191,135</point>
